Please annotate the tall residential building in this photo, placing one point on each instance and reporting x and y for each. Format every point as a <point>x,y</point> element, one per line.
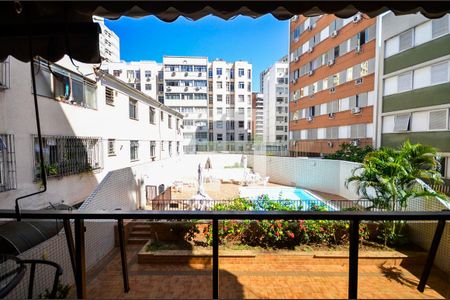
<point>332,63</point>
<point>145,76</point>
<point>258,116</point>
<point>186,90</point>
<point>91,125</point>
<point>109,42</point>
<point>414,83</point>
<point>215,97</point>
<point>229,105</point>
<point>275,92</point>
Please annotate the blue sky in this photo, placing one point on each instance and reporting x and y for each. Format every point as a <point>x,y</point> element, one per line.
<point>260,41</point>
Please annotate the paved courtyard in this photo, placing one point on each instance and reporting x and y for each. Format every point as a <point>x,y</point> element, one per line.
<point>272,278</point>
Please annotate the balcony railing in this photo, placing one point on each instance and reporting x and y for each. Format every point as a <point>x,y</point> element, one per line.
<point>77,250</point>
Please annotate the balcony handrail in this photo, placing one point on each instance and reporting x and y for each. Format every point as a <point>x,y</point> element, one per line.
<point>77,251</point>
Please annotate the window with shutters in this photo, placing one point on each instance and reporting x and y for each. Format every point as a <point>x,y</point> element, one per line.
<point>438,120</point>
<point>134,150</point>
<point>109,96</point>
<point>402,122</point>
<point>439,73</point>
<point>311,134</point>
<point>152,115</point>
<point>358,131</point>
<point>133,109</point>
<point>406,40</point>
<point>439,26</point>
<point>7,163</point>
<point>111,147</point>
<point>332,133</point>
<point>404,82</point>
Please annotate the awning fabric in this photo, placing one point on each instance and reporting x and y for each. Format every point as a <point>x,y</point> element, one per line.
<point>60,28</point>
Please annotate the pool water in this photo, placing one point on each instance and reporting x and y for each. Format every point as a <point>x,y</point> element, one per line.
<point>296,198</point>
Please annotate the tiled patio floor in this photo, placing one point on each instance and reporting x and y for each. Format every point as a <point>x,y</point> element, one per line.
<point>271,279</point>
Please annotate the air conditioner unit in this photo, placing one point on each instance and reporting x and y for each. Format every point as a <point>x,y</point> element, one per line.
<point>296,58</point>
<point>356,110</point>
<point>357,18</point>
<point>309,28</point>
<point>330,144</point>
<point>355,142</point>
<point>309,119</point>
<point>332,89</point>
<point>173,73</point>
<point>331,115</point>
<point>200,74</point>
<point>330,62</point>
<point>358,49</point>
<point>334,34</point>
<point>148,79</point>
<point>186,74</point>
<point>169,89</point>
<point>197,88</point>
<point>294,81</point>
<point>358,81</point>
<point>311,49</point>
<point>310,73</point>
<point>185,89</point>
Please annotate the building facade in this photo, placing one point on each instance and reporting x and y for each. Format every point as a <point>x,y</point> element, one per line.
<point>145,76</point>
<point>258,116</point>
<point>229,105</point>
<point>332,64</point>
<point>414,83</point>
<point>90,125</point>
<point>275,92</point>
<point>109,42</point>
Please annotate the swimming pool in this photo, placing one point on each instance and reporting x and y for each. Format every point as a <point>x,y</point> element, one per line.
<point>295,198</point>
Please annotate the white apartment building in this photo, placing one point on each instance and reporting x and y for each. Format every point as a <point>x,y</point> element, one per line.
<point>109,42</point>
<point>186,90</point>
<point>90,124</point>
<point>230,105</point>
<point>275,90</point>
<point>258,114</point>
<point>145,76</point>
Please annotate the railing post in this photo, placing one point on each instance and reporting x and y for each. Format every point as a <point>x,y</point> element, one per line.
<point>215,262</point>
<point>353,260</point>
<point>70,245</point>
<point>431,255</point>
<point>123,256</point>
<point>80,258</point>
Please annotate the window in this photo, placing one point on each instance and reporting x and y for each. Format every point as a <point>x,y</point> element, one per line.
<point>241,124</point>
<point>241,72</point>
<point>438,120</point>
<point>406,40</point>
<point>219,71</point>
<point>219,98</point>
<point>241,110</point>
<point>219,110</point>
<point>241,84</point>
<point>111,147</point>
<point>152,149</point>
<point>188,122</point>
<point>358,131</point>
<point>109,96</point>
<point>219,84</point>
<point>241,137</point>
<point>219,124</point>
<point>178,148</point>
<point>177,124</point>
<point>134,150</point>
<point>332,132</point>
<point>439,26</point>
<point>133,109</point>
<point>162,146</point>
<point>170,148</point>
<point>148,86</point>
<point>249,74</point>
<point>402,122</point>
<point>219,137</point>
<point>7,163</point>
<point>148,73</point>
<point>169,121</point>
<point>241,98</point>
<point>68,155</point>
<point>152,115</point>
<point>439,73</point>
<point>162,116</point>
<point>210,73</point>
<point>404,82</point>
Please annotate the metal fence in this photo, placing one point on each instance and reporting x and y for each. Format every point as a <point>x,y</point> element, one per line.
<point>76,246</point>
<point>7,163</point>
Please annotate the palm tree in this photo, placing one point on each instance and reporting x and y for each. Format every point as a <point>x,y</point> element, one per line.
<point>388,177</point>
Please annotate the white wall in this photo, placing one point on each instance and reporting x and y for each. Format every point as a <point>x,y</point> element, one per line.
<point>316,174</point>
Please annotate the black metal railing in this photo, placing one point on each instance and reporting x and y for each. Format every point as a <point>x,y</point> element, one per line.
<point>77,251</point>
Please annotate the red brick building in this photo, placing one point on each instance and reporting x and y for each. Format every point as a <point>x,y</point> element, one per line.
<point>332,65</point>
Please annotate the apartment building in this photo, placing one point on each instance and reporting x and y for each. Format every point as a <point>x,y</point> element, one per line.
<point>91,125</point>
<point>229,105</point>
<point>414,83</point>
<point>145,76</point>
<point>332,64</point>
<point>109,42</point>
<point>258,116</point>
<point>275,92</point>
